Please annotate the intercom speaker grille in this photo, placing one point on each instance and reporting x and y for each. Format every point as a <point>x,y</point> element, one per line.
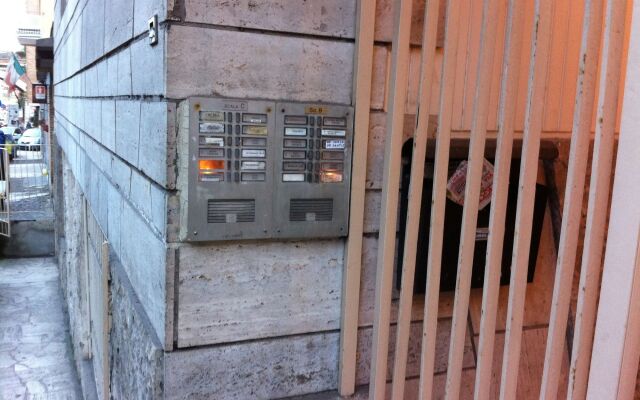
<point>231,211</point>
<point>311,210</point>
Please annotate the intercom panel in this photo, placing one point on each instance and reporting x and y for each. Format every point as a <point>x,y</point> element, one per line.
<point>230,169</point>
<point>260,169</point>
<point>313,170</point>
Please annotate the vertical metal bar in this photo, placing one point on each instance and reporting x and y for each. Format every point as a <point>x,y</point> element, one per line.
<point>390,191</point>
<point>611,62</point>
<point>414,206</point>
<point>574,192</point>
<point>495,241</point>
<point>351,281</point>
<point>526,196</point>
<point>430,320</point>
<point>471,197</point>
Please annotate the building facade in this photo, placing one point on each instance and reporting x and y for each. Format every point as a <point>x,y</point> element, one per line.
<point>155,314</point>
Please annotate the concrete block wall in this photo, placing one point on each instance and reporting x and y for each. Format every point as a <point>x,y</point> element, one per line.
<point>117,155</point>
<point>111,120</point>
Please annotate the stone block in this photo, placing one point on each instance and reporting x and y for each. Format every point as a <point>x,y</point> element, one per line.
<point>375,149</point>
<point>108,122</point>
<point>384,21</point>
<point>240,291</point>
<point>443,338</point>
<point>124,72</point>
<point>257,65</point>
<point>115,216</point>
<point>128,130</point>
<point>102,78</point>
<point>93,118</point>
<point>143,256</point>
<point>141,193</point>
<point>121,175</point>
<point>153,141</point>
<point>334,18</point>
<point>149,61</point>
<point>265,369</point>
<point>118,23</point>
<point>93,27</point>
<point>372,203</point>
<point>159,208</point>
<point>143,10</point>
<point>136,355</point>
<point>111,81</point>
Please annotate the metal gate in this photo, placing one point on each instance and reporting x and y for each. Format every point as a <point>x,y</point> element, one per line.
<point>596,93</point>
<point>5,215</point>
<point>25,185</point>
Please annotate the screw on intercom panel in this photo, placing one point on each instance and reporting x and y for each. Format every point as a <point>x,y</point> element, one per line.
<point>153,30</point>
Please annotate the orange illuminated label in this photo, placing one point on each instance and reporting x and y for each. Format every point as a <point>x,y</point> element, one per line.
<point>210,164</point>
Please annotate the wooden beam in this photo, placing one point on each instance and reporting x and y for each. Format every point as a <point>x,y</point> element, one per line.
<point>472,197</point>
<point>390,190</point>
<point>438,200</point>
<point>353,265</point>
<point>526,196</point>
<point>574,192</point>
<point>495,241</point>
<point>414,206</point>
<point>615,318</point>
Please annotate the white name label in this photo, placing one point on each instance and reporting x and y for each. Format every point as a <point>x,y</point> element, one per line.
<point>295,131</point>
<point>333,132</point>
<point>334,144</point>
<point>253,165</point>
<point>254,153</point>
<point>215,141</point>
<point>212,127</point>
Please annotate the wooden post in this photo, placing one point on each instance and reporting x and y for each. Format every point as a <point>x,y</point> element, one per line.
<point>390,194</point>
<point>526,196</point>
<point>574,192</point>
<point>414,206</point>
<point>432,292</point>
<point>472,197</point>
<point>614,361</point>
<point>353,264</point>
<point>495,241</point>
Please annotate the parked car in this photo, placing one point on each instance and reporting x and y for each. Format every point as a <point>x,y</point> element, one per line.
<point>31,139</point>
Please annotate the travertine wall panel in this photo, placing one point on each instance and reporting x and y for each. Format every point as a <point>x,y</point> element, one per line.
<point>264,369</point>
<point>200,62</point>
<point>334,18</point>
<point>240,291</point>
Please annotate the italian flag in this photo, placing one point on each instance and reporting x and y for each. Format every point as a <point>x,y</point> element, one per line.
<point>14,72</point>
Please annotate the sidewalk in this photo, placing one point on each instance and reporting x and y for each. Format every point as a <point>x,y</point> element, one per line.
<point>35,351</point>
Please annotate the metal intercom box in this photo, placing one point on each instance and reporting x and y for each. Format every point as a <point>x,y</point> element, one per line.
<point>261,169</point>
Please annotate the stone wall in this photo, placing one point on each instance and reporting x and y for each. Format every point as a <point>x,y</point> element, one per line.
<point>111,119</point>
<point>235,319</point>
<point>136,355</point>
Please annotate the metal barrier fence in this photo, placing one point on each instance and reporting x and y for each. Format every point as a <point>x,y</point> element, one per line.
<point>27,195</point>
<point>5,226</point>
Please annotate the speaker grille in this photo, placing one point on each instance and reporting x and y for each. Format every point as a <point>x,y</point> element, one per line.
<point>311,210</point>
<point>230,211</point>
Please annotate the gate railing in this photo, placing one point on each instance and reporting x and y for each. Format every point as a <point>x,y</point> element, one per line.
<point>30,196</point>
<point>594,67</point>
<point>5,210</point>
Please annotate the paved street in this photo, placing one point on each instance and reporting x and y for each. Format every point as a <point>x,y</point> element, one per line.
<point>35,352</point>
